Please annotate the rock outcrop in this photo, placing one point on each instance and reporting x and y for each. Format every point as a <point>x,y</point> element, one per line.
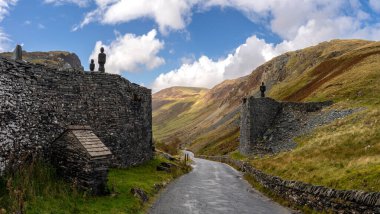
<point>60,60</point>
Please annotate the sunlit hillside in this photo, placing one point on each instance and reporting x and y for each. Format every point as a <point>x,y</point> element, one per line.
<point>345,71</point>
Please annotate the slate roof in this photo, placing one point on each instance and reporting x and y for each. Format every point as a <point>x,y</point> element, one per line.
<point>87,138</point>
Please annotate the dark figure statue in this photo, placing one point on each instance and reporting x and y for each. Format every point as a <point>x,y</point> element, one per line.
<point>263,89</point>
<point>92,65</point>
<point>102,60</point>
<point>17,53</point>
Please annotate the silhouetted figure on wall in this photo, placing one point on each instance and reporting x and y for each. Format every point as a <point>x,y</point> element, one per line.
<point>17,53</point>
<point>102,60</point>
<point>92,65</point>
<point>263,88</point>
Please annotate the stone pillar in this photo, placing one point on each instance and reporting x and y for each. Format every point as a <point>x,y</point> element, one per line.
<point>17,53</point>
<point>257,115</point>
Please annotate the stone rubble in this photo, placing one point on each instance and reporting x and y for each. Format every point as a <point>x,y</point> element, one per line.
<point>140,194</point>
<point>268,126</point>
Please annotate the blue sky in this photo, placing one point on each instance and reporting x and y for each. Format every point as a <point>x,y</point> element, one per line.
<point>163,43</point>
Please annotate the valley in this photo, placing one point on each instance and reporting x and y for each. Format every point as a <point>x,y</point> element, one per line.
<point>342,154</point>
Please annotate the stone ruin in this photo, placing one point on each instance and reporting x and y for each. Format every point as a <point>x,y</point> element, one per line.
<point>81,157</point>
<point>38,104</point>
<point>268,126</point>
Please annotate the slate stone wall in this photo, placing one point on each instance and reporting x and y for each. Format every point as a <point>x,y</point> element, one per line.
<point>316,197</point>
<point>37,103</point>
<point>74,164</point>
<point>257,115</point>
<point>268,126</point>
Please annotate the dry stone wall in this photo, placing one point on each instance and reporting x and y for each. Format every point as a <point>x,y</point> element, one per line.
<point>316,197</point>
<point>80,157</point>
<point>268,126</point>
<point>37,103</point>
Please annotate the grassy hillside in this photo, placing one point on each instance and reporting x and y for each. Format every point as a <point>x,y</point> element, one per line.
<point>344,154</point>
<point>170,109</point>
<point>197,120</point>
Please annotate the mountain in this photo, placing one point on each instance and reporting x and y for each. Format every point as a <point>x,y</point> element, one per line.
<point>208,121</point>
<point>58,59</point>
<point>343,154</point>
<point>169,104</point>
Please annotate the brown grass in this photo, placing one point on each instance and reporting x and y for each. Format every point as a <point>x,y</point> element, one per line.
<point>325,72</point>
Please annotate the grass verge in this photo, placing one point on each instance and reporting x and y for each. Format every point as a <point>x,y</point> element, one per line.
<point>38,190</point>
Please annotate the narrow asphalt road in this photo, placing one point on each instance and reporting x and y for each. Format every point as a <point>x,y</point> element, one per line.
<point>210,188</point>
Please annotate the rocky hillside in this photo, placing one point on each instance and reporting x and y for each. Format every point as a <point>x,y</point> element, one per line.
<point>342,154</point>
<point>209,123</point>
<point>58,59</point>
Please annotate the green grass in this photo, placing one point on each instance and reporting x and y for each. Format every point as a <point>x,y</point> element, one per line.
<point>221,144</point>
<point>345,153</point>
<point>236,155</point>
<point>342,155</point>
<point>44,193</point>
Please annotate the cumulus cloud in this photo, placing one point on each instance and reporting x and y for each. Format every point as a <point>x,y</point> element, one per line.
<point>319,23</point>
<point>168,14</point>
<point>4,10</point>
<point>202,73</point>
<point>375,5</point>
<point>4,41</point>
<point>4,7</point>
<point>300,24</point>
<point>81,3</point>
<point>131,53</point>
<point>206,72</point>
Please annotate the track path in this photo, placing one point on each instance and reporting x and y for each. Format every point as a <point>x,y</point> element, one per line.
<point>213,187</point>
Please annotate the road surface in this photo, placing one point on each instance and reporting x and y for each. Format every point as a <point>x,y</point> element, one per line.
<point>213,187</point>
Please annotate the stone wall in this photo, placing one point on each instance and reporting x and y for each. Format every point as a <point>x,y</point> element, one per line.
<point>316,197</point>
<point>268,126</point>
<point>81,158</point>
<point>37,103</point>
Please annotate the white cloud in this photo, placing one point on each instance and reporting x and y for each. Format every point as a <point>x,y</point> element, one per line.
<point>206,72</point>
<point>4,10</point>
<point>248,56</point>
<point>322,23</point>
<point>41,26</point>
<point>4,7</point>
<point>4,41</point>
<point>375,5</point>
<point>202,73</point>
<point>298,23</point>
<point>81,3</point>
<point>131,53</point>
<point>168,14</point>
